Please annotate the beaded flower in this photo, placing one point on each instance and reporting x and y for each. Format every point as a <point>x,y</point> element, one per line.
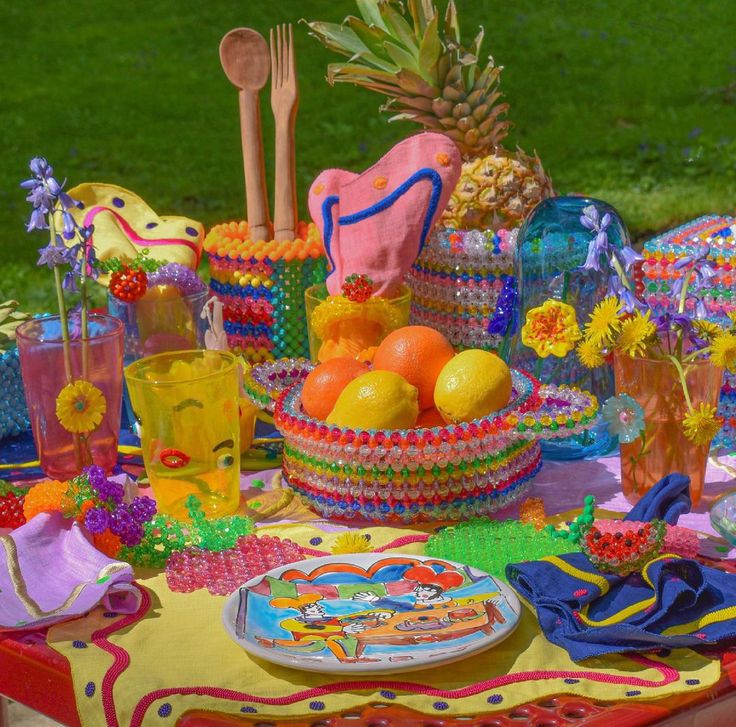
<point>80,407</point>
<point>551,329</point>
<point>624,416</point>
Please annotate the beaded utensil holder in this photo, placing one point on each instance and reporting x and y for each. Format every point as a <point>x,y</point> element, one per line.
<point>452,472</point>
<point>262,285</point>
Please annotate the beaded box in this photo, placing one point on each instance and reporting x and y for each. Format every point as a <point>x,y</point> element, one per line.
<point>714,236</point>
<point>261,285</point>
<point>464,285</point>
<point>452,472</point>
<point>13,409</point>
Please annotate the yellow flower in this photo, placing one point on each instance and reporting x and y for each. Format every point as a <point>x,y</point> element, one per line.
<point>605,321</point>
<point>351,543</point>
<point>723,351</point>
<point>590,354</point>
<point>551,328</point>
<point>701,424</point>
<point>707,329</point>
<point>732,316</point>
<point>80,407</point>
<point>635,333</point>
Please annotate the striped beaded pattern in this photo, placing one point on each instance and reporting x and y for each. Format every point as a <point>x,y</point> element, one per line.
<point>456,281</point>
<point>261,285</point>
<point>13,409</point>
<point>443,473</point>
<point>717,235</point>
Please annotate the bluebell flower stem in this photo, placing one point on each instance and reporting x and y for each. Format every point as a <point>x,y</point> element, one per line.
<point>84,315</point>
<point>62,305</point>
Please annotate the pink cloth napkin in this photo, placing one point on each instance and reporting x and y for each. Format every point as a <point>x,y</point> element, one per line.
<point>50,572</point>
<point>376,223</point>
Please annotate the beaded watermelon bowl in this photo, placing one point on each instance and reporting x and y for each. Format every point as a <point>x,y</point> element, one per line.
<point>434,474</point>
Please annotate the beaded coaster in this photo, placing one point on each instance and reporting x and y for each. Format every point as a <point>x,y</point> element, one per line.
<point>223,571</point>
<point>492,544</point>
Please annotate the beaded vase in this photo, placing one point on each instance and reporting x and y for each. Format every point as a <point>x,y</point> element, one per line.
<point>663,447</point>
<point>553,246</point>
<point>425,474</point>
<point>714,236</point>
<point>262,285</point>
<point>98,360</point>
<point>13,409</point>
<point>465,285</point>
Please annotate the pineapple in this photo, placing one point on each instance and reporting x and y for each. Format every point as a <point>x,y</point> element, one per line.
<point>432,79</point>
<point>10,319</point>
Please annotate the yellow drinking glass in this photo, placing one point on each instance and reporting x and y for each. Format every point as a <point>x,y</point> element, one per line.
<point>186,406</point>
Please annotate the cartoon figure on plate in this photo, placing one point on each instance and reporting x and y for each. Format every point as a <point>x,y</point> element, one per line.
<point>313,629</point>
<point>428,593</point>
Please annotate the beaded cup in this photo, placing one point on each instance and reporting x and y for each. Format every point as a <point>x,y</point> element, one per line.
<point>465,285</point>
<point>13,409</point>
<point>261,285</point>
<point>715,237</point>
<point>442,473</point>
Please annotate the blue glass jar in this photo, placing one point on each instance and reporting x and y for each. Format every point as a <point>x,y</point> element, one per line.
<point>553,246</point>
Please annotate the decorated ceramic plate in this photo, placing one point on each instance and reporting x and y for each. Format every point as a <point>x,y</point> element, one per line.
<point>370,613</point>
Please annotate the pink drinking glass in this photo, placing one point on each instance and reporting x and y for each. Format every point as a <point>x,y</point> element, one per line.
<point>47,369</point>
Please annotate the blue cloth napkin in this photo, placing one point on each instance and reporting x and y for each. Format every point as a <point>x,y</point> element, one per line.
<point>666,500</point>
<point>674,603</point>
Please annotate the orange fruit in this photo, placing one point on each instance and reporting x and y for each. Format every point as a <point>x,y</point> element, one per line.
<point>325,383</point>
<point>430,418</point>
<point>417,353</point>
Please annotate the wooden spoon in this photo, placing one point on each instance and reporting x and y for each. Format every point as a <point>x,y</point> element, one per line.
<point>244,55</point>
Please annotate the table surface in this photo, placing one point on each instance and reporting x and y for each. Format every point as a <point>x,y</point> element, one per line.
<point>34,674</point>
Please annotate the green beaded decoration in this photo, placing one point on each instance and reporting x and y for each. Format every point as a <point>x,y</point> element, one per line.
<point>577,526</point>
<point>165,535</point>
<point>491,545</point>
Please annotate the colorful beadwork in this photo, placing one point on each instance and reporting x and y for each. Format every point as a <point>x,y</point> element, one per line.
<point>11,505</point>
<point>224,571</point>
<point>492,544</point>
<point>164,535</point>
<point>444,473</point>
<point>574,530</point>
<point>532,511</point>
<point>622,546</point>
<point>459,280</point>
<point>13,409</point>
<point>715,235</point>
<point>723,516</point>
<point>263,386</point>
<point>261,285</point>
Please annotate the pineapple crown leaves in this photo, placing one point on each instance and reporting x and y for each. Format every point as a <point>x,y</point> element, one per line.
<point>10,319</point>
<point>420,63</point>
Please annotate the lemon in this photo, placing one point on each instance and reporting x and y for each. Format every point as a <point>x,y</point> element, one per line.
<point>376,400</point>
<point>471,385</point>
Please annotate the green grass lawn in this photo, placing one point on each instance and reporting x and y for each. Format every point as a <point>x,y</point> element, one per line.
<point>630,101</point>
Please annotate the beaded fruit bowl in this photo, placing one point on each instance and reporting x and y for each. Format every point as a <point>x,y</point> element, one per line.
<point>434,474</point>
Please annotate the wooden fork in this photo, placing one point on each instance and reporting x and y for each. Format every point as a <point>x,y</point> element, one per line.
<point>284,102</point>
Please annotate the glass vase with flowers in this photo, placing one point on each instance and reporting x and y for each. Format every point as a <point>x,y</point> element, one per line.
<point>71,362</point>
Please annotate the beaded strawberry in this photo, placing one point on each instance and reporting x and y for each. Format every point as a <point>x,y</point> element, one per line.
<point>357,288</point>
<point>11,505</point>
<point>621,547</point>
<point>128,284</point>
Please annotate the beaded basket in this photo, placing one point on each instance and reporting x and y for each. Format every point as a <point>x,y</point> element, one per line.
<point>443,473</point>
<point>13,409</point>
<point>261,285</point>
<point>457,283</point>
<point>717,236</point>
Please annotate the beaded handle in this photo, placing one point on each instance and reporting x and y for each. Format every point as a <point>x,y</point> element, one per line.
<point>264,383</point>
